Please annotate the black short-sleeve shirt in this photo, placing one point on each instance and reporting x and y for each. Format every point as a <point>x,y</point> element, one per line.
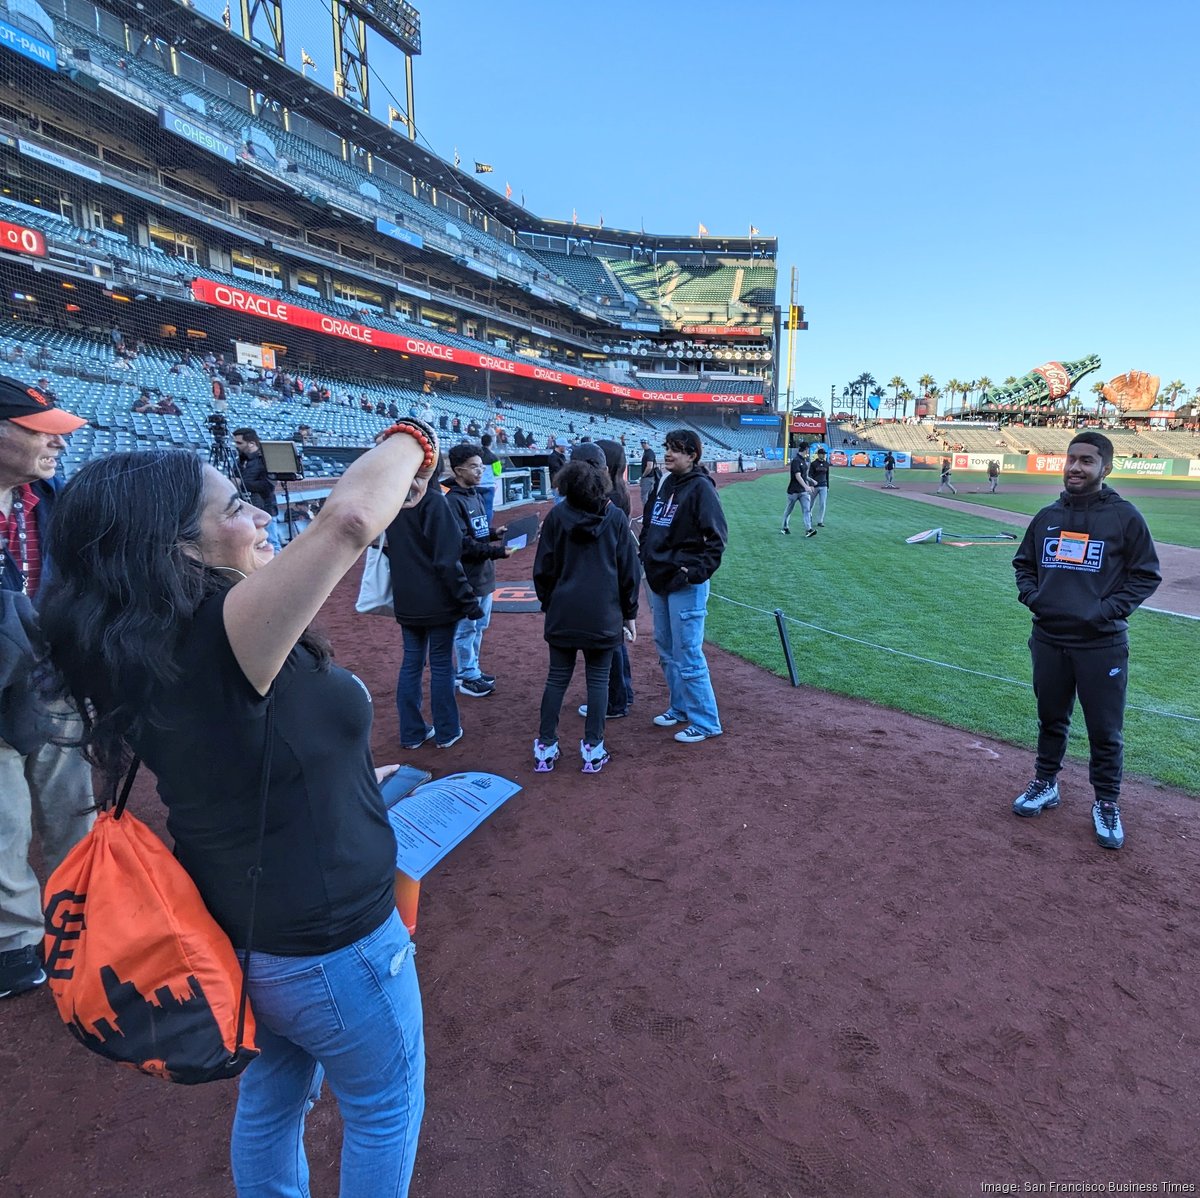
<point>329,854</point>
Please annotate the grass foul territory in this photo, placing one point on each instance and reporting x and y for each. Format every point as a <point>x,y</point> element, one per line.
<point>928,629</point>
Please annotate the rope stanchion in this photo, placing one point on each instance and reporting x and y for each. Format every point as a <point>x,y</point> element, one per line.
<point>781,616</point>
<point>781,624</point>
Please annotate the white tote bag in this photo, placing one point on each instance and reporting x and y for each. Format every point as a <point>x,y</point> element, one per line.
<point>375,590</point>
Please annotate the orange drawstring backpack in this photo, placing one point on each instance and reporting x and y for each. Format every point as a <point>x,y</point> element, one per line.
<point>140,971</point>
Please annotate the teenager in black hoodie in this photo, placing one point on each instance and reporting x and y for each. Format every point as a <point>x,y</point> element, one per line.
<point>683,540</point>
<point>430,594</point>
<point>480,546</point>
<point>586,577</point>
<point>1086,562</point>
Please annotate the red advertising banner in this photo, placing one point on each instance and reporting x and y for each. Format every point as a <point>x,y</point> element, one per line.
<point>808,424</point>
<point>17,239</point>
<point>223,295</point>
<point>1045,463</point>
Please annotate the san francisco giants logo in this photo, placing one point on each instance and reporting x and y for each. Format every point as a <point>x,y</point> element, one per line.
<point>65,923</point>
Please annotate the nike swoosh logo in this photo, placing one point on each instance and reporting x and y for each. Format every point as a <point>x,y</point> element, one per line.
<point>1053,527</point>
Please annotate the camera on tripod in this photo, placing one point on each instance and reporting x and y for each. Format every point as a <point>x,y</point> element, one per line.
<point>218,426</point>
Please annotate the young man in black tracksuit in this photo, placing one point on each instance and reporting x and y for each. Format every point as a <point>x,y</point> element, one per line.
<point>481,546</point>
<point>1087,561</point>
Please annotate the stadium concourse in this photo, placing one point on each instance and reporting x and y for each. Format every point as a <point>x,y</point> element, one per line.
<point>817,957</point>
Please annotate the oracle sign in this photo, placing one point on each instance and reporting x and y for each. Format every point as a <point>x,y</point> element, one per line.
<point>17,239</point>
<point>235,299</point>
<point>808,424</point>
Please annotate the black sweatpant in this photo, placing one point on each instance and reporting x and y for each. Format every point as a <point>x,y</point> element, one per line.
<point>1099,677</point>
<point>597,663</point>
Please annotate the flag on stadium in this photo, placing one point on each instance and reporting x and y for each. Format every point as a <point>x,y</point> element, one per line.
<point>602,220</point>
<point>227,18</point>
<point>482,168</point>
<point>305,61</point>
<point>753,231</point>
<point>507,190</point>
<point>703,231</point>
<point>394,114</point>
<point>574,217</point>
<point>457,159</point>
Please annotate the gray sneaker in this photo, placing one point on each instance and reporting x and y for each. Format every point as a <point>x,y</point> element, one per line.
<point>1037,797</point>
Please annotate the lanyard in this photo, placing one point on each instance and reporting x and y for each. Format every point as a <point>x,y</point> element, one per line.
<point>18,515</point>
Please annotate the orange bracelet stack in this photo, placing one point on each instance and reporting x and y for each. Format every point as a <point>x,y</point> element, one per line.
<point>422,434</point>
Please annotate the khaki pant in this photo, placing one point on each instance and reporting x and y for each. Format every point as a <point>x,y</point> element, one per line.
<point>50,790</point>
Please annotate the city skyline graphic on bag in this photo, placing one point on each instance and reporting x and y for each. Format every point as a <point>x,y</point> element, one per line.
<point>140,971</point>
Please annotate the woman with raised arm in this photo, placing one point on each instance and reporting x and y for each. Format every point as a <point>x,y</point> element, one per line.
<point>187,643</point>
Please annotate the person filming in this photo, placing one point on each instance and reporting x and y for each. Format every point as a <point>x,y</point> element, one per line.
<point>185,641</point>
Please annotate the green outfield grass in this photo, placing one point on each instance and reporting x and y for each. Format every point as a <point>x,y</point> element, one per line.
<point>1174,519</point>
<point>858,578</point>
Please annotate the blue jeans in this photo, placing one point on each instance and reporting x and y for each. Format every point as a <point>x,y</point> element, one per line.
<point>620,681</point>
<point>352,1017</point>
<point>273,534</point>
<point>819,504</point>
<point>438,643</point>
<point>487,492</point>
<point>468,638</point>
<point>805,500</point>
<point>679,638</point>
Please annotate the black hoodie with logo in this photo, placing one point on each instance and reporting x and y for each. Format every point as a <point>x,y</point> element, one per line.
<point>480,545</point>
<point>1086,603</point>
<point>586,576</point>
<point>684,532</point>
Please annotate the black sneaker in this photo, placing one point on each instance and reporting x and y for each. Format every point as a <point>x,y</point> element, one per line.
<point>1037,797</point>
<point>20,970</point>
<point>786,530</point>
<point>476,687</point>
<point>490,679</point>
<point>1106,819</point>
<point>811,532</point>
<point>820,524</point>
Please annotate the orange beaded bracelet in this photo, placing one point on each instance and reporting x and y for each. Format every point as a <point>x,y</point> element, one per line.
<point>418,434</point>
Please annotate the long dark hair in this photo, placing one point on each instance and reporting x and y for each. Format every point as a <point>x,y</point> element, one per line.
<point>614,455</point>
<point>123,590</point>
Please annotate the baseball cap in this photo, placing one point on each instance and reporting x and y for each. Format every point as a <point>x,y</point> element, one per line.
<point>30,408</point>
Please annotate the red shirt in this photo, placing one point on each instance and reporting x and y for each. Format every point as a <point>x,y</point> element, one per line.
<point>10,536</point>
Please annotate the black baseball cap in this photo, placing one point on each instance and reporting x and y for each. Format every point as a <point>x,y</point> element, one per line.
<point>32,409</point>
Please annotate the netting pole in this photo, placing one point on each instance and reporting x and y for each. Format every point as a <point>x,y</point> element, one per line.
<point>787,646</point>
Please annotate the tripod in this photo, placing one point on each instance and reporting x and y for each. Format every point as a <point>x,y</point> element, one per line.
<point>224,457</point>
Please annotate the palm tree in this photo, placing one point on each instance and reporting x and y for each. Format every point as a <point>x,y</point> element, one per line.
<point>984,385</point>
<point>954,387</point>
<point>866,384</point>
<point>1098,392</point>
<point>1172,389</point>
<point>897,384</point>
<point>877,395</point>
<point>904,397</point>
<point>925,382</point>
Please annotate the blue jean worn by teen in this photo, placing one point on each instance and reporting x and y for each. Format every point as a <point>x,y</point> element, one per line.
<point>438,644</point>
<point>679,638</point>
<point>620,682</point>
<point>468,638</point>
<point>353,1018</point>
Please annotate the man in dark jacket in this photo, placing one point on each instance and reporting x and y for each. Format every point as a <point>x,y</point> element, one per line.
<point>478,550</point>
<point>254,478</point>
<point>37,771</point>
<point>683,538</point>
<point>430,594</point>
<point>800,491</point>
<point>818,471</point>
<point>1086,562</point>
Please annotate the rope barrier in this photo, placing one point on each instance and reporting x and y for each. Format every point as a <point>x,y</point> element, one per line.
<point>929,661</point>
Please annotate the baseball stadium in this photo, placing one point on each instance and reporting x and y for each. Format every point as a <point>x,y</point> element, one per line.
<point>816,956</point>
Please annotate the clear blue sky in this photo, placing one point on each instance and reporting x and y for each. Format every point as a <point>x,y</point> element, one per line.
<point>965,189</point>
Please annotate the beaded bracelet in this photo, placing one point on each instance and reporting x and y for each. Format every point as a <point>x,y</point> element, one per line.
<point>419,436</point>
